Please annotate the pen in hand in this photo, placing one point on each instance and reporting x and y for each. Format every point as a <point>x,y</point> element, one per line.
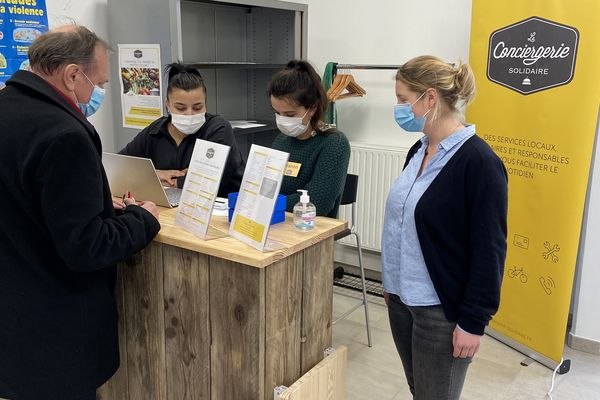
<point>118,205</point>
<point>128,199</point>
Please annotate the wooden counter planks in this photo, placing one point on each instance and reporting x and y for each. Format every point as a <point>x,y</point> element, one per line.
<point>325,381</point>
<point>205,325</point>
<point>232,249</point>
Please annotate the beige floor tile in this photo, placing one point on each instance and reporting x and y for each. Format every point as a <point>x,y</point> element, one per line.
<point>496,373</point>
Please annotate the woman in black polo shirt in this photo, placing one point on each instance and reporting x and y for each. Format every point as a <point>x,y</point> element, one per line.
<point>169,141</point>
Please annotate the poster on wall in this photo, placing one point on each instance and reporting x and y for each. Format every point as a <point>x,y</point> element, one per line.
<point>537,107</point>
<point>21,22</point>
<point>139,69</point>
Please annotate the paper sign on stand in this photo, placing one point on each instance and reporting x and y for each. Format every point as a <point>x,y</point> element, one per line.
<point>141,77</point>
<point>258,194</point>
<point>201,187</point>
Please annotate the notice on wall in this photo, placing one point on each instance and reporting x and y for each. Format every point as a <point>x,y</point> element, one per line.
<point>141,100</point>
<point>201,187</point>
<point>21,22</point>
<point>258,194</point>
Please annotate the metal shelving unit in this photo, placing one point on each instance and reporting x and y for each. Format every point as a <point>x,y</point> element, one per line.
<point>234,65</point>
<point>237,46</point>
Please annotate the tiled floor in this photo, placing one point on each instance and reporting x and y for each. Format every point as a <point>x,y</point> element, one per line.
<point>496,373</point>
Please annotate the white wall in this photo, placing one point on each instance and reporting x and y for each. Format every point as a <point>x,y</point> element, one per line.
<point>92,14</point>
<point>586,298</point>
<point>383,32</point>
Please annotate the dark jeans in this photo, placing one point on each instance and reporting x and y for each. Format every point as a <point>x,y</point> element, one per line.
<point>423,338</point>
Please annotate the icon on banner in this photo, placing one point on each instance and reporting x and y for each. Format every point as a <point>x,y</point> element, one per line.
<point>551,252</point>
<point>521,241</point>
<point>532,37</point>
<point>547,284</point>
<point>514,272</point>
<point>527,81</point>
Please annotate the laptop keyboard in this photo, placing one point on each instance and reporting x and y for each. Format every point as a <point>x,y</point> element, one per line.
<point>173,195</point>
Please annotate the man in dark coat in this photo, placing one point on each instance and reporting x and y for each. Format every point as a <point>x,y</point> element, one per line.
<point>60,236</point>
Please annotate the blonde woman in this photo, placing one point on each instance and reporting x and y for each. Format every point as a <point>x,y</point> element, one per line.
<point>444,242</point>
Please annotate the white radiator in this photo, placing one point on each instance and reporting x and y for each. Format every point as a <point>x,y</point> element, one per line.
<point>377,168</point>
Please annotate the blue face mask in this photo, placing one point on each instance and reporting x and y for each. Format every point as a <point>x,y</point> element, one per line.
<point>88,109</point>
<point>405,117</point>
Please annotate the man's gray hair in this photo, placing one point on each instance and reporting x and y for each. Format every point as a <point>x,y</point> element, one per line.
<point>55,49</point>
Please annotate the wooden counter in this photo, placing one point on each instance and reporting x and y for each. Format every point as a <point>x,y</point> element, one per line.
<point>217,319</point>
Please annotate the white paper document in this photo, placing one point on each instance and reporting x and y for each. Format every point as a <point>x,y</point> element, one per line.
<point>141,77</point>
<point>242,124</point>
<point>258,194</point>
<point>201,187</point>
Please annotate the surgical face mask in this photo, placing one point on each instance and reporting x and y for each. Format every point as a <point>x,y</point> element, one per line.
<point>291,126</point>
<point>405,117</point>
<point>188,124</point>
<point>88,109</point>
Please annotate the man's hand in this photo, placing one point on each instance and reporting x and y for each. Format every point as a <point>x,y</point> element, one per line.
<point>118,203</point>
<point>150,207</point>
<point>169,177</point>
<point>147,205</point>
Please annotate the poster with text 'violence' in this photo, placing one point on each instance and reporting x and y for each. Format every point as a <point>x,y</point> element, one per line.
<point>21,22</point>
<point>139,69</point>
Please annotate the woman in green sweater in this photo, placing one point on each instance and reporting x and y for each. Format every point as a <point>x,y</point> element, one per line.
<point>322,155</point>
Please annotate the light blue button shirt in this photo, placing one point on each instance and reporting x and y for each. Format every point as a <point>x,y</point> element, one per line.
<point>403,267</point>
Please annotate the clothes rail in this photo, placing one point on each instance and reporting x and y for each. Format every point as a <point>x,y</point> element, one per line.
<point>366,66</point>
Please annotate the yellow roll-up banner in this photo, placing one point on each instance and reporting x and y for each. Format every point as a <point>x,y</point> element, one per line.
<point>537,66</point>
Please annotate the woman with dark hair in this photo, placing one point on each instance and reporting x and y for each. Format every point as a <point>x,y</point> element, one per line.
<point>299,102</point>
<point>169,141</point>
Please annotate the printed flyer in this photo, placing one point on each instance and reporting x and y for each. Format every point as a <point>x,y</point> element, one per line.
<point>141,100</point>
<point>258,193</point>
<point>201,187</point>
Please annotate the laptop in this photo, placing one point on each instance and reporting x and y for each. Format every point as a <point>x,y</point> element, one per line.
<point>138,176</point>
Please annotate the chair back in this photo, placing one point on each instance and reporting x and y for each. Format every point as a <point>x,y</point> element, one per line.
<point>350,190</point>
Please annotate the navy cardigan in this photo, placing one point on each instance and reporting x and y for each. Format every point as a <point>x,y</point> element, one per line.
<point>461,225</point>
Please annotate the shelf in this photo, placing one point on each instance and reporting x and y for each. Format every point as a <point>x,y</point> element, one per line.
<point>270,126</point>
<point>235,65</point>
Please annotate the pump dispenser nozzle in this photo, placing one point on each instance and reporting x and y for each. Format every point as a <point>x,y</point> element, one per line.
<point>304,197</point>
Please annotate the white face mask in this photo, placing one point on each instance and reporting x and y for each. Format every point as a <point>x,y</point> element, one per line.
<point>291,126</point>
<point>188,124</point>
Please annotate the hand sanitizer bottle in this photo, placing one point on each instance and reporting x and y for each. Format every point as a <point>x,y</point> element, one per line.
<point>305,213</point>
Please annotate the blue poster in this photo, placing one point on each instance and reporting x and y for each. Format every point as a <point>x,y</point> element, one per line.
<point>21,22</point>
